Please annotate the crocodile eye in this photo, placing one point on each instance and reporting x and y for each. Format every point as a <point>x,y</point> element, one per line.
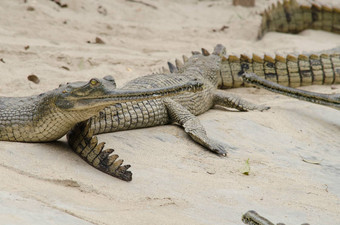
<point>94,82</point>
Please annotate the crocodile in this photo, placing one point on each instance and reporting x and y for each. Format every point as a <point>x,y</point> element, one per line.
<point>330,100</point>
<point>253,218</point>
<point>217,71</point>
<point>180,108</point>
<point>49,116</point>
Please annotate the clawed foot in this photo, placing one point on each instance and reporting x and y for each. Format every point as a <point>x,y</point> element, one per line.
<point>219,148</point>
<point>109,164</point>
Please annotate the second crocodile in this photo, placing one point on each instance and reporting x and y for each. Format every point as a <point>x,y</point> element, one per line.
<point>217,70</point>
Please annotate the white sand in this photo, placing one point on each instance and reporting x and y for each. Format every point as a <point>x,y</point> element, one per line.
<point>175,181</point>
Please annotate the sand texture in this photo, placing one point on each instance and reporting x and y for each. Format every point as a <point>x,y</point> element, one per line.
<point>175,181</point>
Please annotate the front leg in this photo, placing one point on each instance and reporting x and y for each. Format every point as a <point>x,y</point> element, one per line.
<point>232,101</point>
<point>193,127</point>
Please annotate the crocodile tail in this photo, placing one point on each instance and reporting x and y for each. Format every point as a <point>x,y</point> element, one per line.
<point>85,144</point>
<point>291,17</point>
<point>292,71</point>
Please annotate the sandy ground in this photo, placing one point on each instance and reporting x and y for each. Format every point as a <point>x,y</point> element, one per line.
<point>175,181</point>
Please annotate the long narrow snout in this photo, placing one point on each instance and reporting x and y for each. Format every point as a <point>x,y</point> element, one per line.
<point>330,100</point>
<point>125,95</point>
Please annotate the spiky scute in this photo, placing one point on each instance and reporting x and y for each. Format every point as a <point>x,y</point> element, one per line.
<point>290,17</point>
<point>87,147</point>
<point>287,70</point>
<point>293,71</point>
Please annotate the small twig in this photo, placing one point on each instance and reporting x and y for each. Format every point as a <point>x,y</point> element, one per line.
<point>246,168</point>
<point>143,3</point>
<point>59,3</point>
<point>309,161</point>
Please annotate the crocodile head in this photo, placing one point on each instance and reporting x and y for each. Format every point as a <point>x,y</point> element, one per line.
<point>88,98</point>
<point>86,95</point>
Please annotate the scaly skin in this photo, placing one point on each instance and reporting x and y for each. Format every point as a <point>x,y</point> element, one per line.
<point>330,100</point>
<point>217,70</point>
<point>181,109</point>
<point>290,17</point>
<point>292,71</point>
<point>253,218</point>
<point>49,116</point>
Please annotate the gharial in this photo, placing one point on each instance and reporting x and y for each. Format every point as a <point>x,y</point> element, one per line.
<point>216,70</point>
<point>50,115</point>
